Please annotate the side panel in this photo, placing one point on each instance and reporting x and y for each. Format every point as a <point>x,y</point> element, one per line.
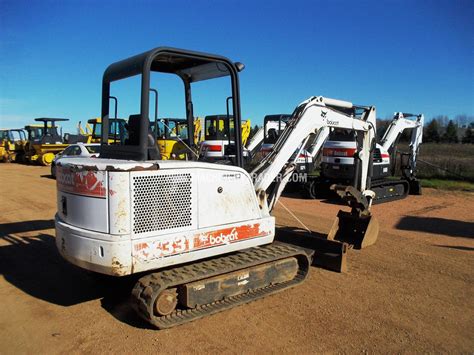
<point>93,251</point>
<point>210,148</point>
<point>82,198</point>
<point>225,197</point>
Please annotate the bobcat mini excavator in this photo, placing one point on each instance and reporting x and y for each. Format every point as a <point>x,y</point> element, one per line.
<point>262,141</point>
<point>200,234</point>
<point>338,163</point>
<point>218,134</point>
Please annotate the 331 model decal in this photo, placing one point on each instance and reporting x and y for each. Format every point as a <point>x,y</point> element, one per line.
<point>167,247</point>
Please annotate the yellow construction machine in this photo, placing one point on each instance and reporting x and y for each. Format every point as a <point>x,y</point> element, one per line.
<point>172,137</point>
<point>117,130</point>
<point>12,144</point>
<point>44,141</point>
<point>246,128</point>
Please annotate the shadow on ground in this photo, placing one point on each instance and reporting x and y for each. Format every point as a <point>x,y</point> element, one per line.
<point>448,227</point>
<point>48,176</point>
<point>457,247</point>
<point>32,264</point>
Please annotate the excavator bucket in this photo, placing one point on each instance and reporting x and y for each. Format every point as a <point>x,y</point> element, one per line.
<point>415,187</point>
<point>358,227</point>
<point>359,231</point>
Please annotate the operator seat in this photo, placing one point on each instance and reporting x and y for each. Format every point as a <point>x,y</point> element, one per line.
<point>211,131</point>
<point>272,135</point>
<point>133,128</point>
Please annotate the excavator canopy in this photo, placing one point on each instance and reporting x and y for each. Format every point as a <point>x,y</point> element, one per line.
<point>191,67</point>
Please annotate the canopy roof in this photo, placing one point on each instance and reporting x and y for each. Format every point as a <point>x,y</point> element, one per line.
<point>195,66</point>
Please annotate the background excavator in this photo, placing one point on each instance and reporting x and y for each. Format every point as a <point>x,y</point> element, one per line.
<point>218,134</point>
<point>262,141</point>
<point>200,234</point>
<point>117,130</point>
<point>338,166</point>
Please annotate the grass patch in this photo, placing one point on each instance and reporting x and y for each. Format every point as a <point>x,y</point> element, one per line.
<point>452,185</point>
<point>455,161</point>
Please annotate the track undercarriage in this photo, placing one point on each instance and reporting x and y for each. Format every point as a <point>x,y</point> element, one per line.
<point>185,293</point>
<point>386,190</point>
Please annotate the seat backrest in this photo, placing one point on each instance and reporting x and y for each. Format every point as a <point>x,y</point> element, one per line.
<point>133,128</point>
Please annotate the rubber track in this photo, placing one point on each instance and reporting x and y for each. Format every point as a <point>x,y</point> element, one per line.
<point>149,287</point>
<point>387,183</point>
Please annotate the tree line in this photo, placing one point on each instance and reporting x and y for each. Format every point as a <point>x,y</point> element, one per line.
<point>440,129</point>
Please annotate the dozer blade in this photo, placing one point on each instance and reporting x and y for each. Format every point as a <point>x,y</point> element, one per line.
<point>359,231</point>
<point>328,254</point>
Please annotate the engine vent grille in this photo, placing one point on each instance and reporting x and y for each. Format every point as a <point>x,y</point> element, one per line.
<point>161,202</point>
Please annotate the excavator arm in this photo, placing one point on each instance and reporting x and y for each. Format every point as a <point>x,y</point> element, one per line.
<point>400,123</point>
<point>255,142</point>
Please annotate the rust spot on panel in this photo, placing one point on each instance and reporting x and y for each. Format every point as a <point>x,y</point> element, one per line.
<point>117,268</point>
<point>121,213</point>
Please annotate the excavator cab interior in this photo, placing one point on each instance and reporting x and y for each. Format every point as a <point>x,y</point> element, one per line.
<point>219,127</point>
<point>271,134</point>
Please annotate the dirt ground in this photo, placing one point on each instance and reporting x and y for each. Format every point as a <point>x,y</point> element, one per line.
<point>411,292</point>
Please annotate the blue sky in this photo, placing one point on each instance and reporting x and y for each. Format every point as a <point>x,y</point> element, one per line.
<point>412,56</point>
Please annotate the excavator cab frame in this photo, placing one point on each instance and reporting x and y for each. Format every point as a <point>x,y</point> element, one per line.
<point>282,120</point>
<point>191,67</point>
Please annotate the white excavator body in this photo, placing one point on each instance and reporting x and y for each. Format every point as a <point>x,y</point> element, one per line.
<point>120,217</point>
